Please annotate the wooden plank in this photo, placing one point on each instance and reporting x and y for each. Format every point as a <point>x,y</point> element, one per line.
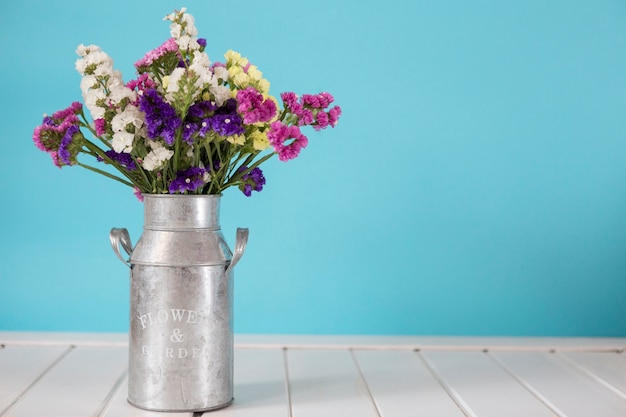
<point>481,387</point>
<point>119,406</point>
<point>327,383</point>
<point>572,392</point>
<point>260,385</point>
<point>402,385</point>
<point>607,368</point>
<point>21,366</point>
<point>76,386</point>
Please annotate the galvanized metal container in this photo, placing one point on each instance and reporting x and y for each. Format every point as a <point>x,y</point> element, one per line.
<point>181,305</point>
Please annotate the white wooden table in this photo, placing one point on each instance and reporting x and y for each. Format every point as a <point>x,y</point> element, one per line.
<point>66,375</point>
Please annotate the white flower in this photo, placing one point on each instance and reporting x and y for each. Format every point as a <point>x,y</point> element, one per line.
<point>91,98</point>
<point>130,116</point>
<point>221,93</point>
<point>120,92</point>
<point>189,23</point>
<point>122,141</point>
<point>157,156</point>
<point>221,73</point>
<point>83,50</point>
<point>172,83</point>
<point>88,82</point>
<point>183,30</point>
<point>183,42</point>
<point>201,66</point>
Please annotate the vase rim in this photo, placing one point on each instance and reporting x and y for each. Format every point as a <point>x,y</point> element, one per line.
<point>151,195</point>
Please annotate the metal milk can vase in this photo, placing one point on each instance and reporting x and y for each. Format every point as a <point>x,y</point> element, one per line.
<point>181,305</point>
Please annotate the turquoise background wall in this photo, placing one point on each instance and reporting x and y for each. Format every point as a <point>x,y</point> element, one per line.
<point>476,184</point>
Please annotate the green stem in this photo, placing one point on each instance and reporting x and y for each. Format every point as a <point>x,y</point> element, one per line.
<point>106,174</point>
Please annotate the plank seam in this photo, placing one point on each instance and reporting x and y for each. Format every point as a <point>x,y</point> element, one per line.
<point>590,374</point>
<point>287,384</point>
<point>367,387</point>
<point>553,408</point>
<point>455,396</point>
<point>21,395</point>
<point>106,403</point>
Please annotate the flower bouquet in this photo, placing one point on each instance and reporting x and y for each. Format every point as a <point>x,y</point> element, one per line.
<point>184,125</point>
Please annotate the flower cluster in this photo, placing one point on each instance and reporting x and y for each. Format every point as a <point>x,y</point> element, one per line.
<point>183,124</point>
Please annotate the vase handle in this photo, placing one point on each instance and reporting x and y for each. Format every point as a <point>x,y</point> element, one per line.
<point>240,245</point>
<point>120,237</point>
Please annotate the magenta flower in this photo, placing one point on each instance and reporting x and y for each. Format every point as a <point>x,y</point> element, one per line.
<point>138,194</point>
<point>141,84</point>
<point>100,126</point>
<point>333,115</point>
<point>253,107</point>
<point>279,134</point>
<point>289,98</point>
<point>322,121</point>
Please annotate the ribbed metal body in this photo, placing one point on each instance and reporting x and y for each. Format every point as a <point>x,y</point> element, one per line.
<point>181,305</point>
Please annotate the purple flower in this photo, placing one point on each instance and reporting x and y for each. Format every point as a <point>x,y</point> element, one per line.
<point>64,152</point>
<point>227,124</point>
<point>251,181</point>
<point>229,107</point>
<point>201,109</point>
<point>124,159</point>
<point>161,118</point>
<point>187,180</point>
<point>188,130</point>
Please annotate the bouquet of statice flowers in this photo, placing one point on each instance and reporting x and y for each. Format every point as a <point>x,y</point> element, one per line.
<point>184,125</point>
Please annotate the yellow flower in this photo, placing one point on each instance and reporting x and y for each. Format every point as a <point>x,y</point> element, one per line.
<point>165,82</point>
<point>254,72</point>
<point>232,71</point>
<point>235,58</point>
<point>236,139</point>
<point>241,80</point>
<point>264,86</point>
<point>259,140</point>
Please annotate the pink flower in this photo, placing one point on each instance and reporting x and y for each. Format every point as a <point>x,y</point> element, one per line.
<point>253,108</point>
<point>318,101</point>
<point>167,47</point>
<point>48,136</point>
<point>322,120</point>
<point>290,99</point>
<point>143,82</point>
<point>305,117</point>
<point>279,134</point>
<point>100,126</point>
<point>70,112</point>
<point>138,194</point>
<point>37,139</point>
<point>333,115</point>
